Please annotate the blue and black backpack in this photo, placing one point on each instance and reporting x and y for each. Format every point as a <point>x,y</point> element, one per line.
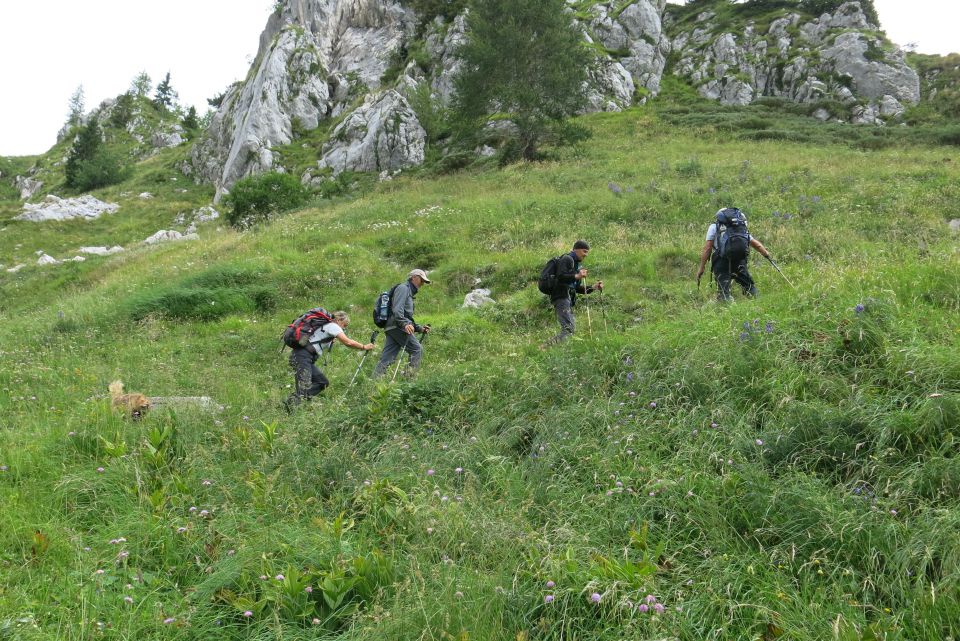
<point>733,239</point>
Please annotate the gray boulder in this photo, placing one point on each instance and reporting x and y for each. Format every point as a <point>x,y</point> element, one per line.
<point>168,235</point>
<point>101,251</point>
<point>383,134</point>
<point>27,186</point>
<point>478,298</point>
<point>85,207</point>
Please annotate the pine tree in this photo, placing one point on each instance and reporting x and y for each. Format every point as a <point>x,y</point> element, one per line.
<point>84,148</point>
<point>526,60</point>
<point>141,84</point>
<point>190,121</point>
<point>76,107</point>
<point>165,95</point>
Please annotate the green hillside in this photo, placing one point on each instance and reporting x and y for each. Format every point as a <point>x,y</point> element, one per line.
<point>779,468</point>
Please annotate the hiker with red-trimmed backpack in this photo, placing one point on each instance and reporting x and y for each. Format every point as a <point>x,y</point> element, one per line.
<point>311,335</point>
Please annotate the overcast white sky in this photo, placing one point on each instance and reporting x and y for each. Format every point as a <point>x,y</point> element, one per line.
<point>49,47</point>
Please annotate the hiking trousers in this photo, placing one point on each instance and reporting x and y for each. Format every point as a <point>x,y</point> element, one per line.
<point>309,380</point>
<point>396,341</point>
<point>564,309</point>
<point>727,270</point>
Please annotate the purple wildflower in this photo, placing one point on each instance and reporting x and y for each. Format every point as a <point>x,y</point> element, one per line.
<point>630,377</point>
<point>430,472</point>
<point>551,584</point>
<point>247,613</point>
<point>548,598</point>
<point>169,620</point>
<point>744,337</point>
<point>644,608</point>
<point>759,442</point>
<point>650,598</point>
<point>279,577</point>
<point>595,597</point>
<point>128,599</point>
<point>658,608</point>
<point>615,188</point>
<point>859,308</point>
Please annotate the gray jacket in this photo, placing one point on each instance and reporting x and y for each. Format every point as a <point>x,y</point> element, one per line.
<point>401,307</point>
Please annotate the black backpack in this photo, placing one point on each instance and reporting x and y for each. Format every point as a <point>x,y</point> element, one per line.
<point>298,333</point>
<point>383,306</point>
<point>547,283</point>
<point>733,240</point>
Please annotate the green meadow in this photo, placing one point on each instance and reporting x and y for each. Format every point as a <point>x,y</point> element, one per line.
<point>777,468</point>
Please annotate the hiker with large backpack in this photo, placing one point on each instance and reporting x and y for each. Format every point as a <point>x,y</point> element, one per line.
<point>394,313</point>
<point>728,247</point>
<point>562,278</point>
<point>309,336</point>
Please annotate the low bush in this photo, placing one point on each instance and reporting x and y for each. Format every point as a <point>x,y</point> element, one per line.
<point>257,199</point>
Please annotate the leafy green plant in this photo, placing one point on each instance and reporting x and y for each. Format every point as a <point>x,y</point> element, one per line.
<point>257,199</point>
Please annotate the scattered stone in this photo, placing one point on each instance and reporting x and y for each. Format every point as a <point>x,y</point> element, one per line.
<point>47,260</point>
<point>205,214</point>
<point>162,140</point>
<point>16,268</point>
<point>168,235</point>
<point>955,225</point>
<point>478,298</point>
<point>145,196</point>
<point>101,251</point>
<point>52,208</point>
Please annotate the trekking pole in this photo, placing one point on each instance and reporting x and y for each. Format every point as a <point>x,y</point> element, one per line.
<point>780,272</point>
<point>589,324</point>
<point>373,339</point>
<point>400,358</point>
<point>603,311</point>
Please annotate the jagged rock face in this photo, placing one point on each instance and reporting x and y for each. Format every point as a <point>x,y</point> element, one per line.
<point>382,135</point>
<point>27,186</point>
<point>315,57</point>
<point>634,38</point>
<point>834,56</point>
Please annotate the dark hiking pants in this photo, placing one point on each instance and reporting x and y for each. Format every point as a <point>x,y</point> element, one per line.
<point>398,340</point>
<point>564,309</point>
<point>733,268</point>
<point>310,381</point>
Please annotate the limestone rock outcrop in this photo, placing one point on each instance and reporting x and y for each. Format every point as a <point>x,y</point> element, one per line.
<point>85,207</point>
<point>382,135</point>
<point>835,56</point>
<point>315,57</point>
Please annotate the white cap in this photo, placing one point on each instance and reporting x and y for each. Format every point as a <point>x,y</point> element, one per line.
<point>419,272</point>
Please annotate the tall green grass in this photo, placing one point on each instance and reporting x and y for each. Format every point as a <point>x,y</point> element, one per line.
<point>783,467</point>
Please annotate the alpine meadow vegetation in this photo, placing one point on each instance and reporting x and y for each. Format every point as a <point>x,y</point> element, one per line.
<point>777,468</point>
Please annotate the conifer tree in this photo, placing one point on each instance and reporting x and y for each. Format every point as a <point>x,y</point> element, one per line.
<point>165,95</point>
<point>525,60</point>
<point>191,122</point>
<point>76,107</point>
<point>141,84</point>
<point>84,148</point>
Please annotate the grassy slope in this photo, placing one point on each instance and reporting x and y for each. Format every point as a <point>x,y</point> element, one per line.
<point>845,517</point>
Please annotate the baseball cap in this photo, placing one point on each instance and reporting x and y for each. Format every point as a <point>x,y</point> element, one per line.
<point>419,272</point>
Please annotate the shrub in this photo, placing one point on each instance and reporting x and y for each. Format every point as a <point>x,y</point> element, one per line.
<point>104,168</point>
<point>258,198</point>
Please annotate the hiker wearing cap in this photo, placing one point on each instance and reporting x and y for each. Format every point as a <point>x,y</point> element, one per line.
<point>401,329</point>
<point>309,380</point>
<point>570,281</point>
<point>728,246</point>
